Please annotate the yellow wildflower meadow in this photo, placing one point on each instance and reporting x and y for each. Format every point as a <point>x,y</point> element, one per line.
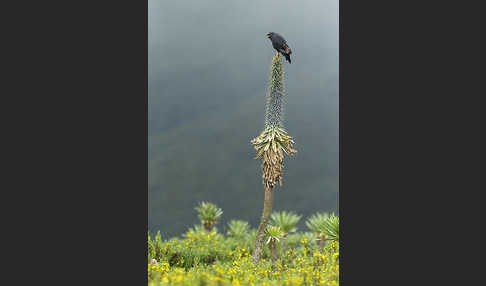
<point>213,259</point>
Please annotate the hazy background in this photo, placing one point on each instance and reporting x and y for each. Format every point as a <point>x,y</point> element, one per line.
<point>208,71</point>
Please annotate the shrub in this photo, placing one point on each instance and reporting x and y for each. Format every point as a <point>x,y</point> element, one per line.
<point>238,229</point>
<point>209,214</point>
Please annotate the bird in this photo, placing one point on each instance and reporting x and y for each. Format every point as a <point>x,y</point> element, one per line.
<point>279,44</point>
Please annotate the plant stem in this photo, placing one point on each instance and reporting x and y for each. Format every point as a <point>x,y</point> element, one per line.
<point>321,244</point>
<point>273,250</point>
<point>284,242</point>
<point>207,227</point>
<point>267,210</point>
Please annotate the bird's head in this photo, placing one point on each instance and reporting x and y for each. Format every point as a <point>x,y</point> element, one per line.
<point>269,35</point>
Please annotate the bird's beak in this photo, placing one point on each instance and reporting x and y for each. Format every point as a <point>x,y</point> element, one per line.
<point>268,35</point>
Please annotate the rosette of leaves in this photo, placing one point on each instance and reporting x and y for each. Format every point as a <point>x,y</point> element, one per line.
<point>209,214</point>
<point>274,234</point>
<point>331,227</point>
<point>324,226</point>
<point>315,224</point>
<point>269,145</point>
<point>238,229</point>
<point>287,221</point>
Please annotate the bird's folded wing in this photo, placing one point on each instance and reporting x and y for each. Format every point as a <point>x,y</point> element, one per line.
<point>287,50</point>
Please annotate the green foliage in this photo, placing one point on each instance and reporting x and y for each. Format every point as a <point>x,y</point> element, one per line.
<point>273,233</point>
<point>295,239</point>
<point>253,234</point>
<point>238,228</point>
<point>214,259</point>
<point>324,225</point>
<point>197,248</point>
<point>154,247</point>
<point>287,221</point>
<point>316,221</point>
<point>209,214</point>
<point>150,248</point>
<point>250,241</point>
<point>307,236</point>
<point>198,229</point>
<point>331,227</point>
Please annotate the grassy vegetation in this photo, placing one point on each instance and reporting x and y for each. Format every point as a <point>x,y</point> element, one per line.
<point>202,257</point>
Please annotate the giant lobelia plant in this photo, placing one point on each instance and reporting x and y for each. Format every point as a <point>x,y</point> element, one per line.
<point>270,145</point>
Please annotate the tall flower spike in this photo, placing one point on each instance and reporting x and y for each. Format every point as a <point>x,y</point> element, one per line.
<point>272,142</point>
<point>275,95</point>
<point>273,139</point>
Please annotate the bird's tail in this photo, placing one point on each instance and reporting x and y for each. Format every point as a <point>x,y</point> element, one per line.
<point>287,57</point>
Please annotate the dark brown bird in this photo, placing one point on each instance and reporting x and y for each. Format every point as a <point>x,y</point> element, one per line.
<point>279,44</point>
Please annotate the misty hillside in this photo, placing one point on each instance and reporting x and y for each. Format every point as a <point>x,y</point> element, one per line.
<point>208,76</point>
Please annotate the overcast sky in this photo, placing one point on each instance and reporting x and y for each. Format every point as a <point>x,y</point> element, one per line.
<point>191,38</point>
